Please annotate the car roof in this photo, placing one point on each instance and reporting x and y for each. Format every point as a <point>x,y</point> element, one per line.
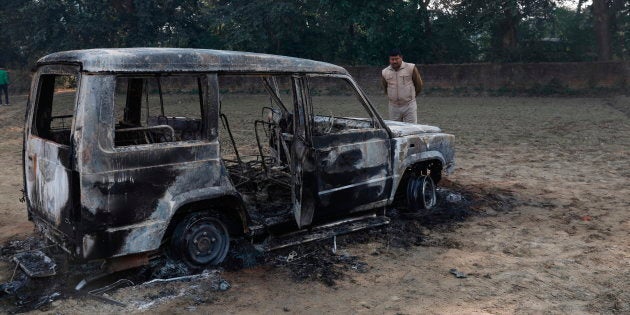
<point>136,60</point>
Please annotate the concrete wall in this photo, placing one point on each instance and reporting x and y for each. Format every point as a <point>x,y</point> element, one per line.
<point>575,78</point>
<point>581,78</point>
<point>20,81</point>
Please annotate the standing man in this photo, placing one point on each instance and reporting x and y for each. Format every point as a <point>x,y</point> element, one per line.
<point>402,83</point>
<point>4,84</point>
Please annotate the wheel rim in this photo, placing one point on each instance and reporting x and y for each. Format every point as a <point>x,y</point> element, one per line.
<point>428,192</point>
<point>421,193</point>
<point>206,241</point>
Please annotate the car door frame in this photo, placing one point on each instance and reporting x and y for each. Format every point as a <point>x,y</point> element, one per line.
<point>51,194</point>
<point>333,200</point>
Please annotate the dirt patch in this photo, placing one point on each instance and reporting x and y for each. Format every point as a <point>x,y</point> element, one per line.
<point>549,233</point>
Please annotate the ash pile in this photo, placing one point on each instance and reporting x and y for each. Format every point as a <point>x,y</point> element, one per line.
<point>39,276</point>
<point>328,261</point>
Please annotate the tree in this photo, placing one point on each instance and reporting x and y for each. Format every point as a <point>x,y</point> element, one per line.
<point>610,19</point>
<point>601,17</point>
<point>501,20</point>
<point>347,32</point>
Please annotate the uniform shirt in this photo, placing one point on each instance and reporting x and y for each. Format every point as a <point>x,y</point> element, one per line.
<point>402,85</point>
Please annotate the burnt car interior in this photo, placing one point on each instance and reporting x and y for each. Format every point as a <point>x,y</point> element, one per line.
<point>260,142</point>
<point>256,137</point>
<point>256,125</point>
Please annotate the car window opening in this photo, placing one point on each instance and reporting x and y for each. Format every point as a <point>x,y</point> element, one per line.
<point>334,107</point>
<point>158,109</point>
<point>55,107</point>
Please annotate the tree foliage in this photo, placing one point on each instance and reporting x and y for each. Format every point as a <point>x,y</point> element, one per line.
<point>340,31</point>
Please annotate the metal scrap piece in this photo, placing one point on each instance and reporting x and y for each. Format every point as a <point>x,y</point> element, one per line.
<point>46,299</point>
<point>458,274</point>
<point>97,293</point>
<point>35,264</point>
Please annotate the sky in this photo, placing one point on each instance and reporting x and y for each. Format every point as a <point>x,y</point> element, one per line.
<point>574,3</point>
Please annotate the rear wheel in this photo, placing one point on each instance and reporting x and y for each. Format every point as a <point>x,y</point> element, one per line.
<point>421,193</point>
<point>200,240</point>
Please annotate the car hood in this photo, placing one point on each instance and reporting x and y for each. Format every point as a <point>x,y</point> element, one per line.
<point>400,129</point>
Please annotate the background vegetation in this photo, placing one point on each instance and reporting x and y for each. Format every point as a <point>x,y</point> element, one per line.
<point>349,32</point>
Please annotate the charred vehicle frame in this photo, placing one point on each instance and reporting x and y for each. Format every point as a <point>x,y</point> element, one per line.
<point>113,185</point>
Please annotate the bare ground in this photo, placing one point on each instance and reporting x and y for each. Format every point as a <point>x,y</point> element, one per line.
<point>552,237</point>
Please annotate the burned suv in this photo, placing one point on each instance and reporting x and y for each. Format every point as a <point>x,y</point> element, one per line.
<point>131,151</point>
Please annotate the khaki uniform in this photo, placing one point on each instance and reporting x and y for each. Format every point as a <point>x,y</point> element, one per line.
<point>402,86</point>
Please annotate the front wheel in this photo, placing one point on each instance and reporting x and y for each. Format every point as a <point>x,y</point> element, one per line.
<point>421,193</point>
<point>200,240</point>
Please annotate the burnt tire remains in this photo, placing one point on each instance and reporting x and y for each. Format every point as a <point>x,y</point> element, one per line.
<point>420,193</point>
<point>200,240</point>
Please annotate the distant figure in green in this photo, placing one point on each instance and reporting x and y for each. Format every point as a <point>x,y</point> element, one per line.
<point>4,84</point>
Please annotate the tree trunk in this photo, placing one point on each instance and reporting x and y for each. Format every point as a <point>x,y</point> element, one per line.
<point>504,36</point>
<point>426,19</point>
<point>508,39</point>
<point>602,29</point>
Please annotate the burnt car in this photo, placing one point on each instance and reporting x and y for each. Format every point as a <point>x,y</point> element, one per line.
<point>128,152</point>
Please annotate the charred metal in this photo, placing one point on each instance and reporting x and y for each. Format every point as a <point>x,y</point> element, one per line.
<point>107,178</point>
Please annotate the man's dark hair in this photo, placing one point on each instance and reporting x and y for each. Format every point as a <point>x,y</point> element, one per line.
<point>395,52</point>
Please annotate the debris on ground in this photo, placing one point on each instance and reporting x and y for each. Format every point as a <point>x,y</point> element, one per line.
<point>453,197</point>
<point>458,274</point>
<point>167,268</point>
<point>195,289</point>
<point>243,254</point>
<point>23,293</point>
<point>18,280</point>
<point>221,284</point>
<point>99,293</point>
<point>211,277</point>
<point>35,263</point>
<point>316,262</point>
<point>40,301</point>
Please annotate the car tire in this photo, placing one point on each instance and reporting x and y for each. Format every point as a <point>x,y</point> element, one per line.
<point>200,240</point>
<point>421,193</point>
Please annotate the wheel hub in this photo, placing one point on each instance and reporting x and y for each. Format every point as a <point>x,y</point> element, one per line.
<point>205,242</point>
<point>200,240</point>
